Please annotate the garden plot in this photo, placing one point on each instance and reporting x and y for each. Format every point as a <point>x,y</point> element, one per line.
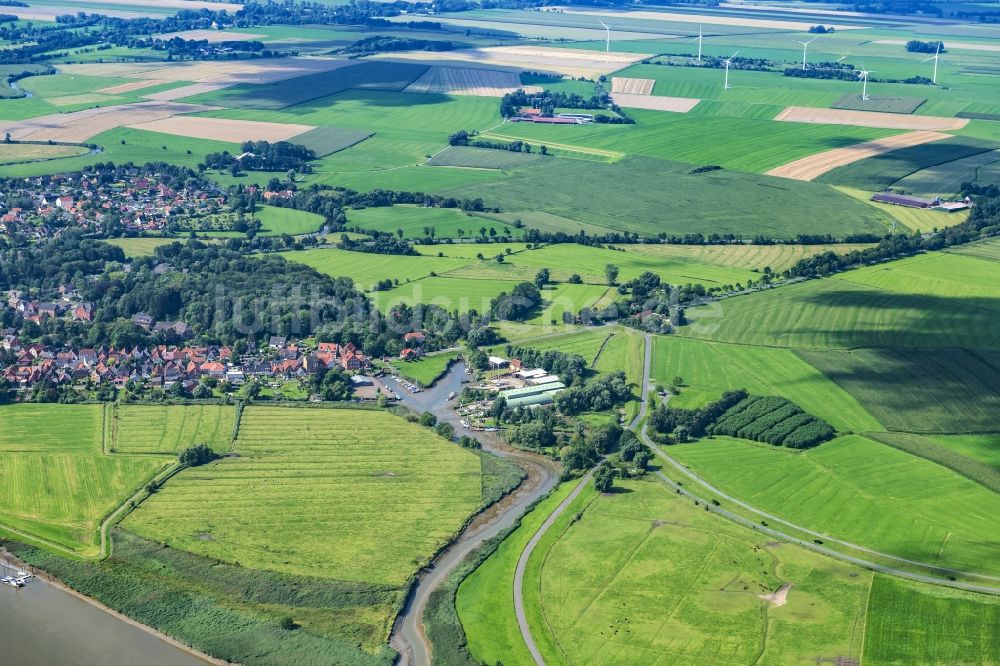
<point>223,129</point>
<point>82,125</point>
<point>466,81</point>
<point>805,114</point>
<point>810,168</point>
<point>654,102</point>
<point>621,84</point>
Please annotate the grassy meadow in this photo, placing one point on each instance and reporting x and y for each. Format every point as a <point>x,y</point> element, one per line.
<point>169,429</point>
<point>352,495</point>
<point>642,576</point>
<point>55,482</point>
<point>277,221</point>
<point>860,491</point>
<point>140,247</point>
<point>426,370</point>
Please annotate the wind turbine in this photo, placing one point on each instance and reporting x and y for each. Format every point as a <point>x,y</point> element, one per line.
<point>805,48</point>
<point>607,43</point>
<point>863,75</point>
<point>728,61</point>
<point>700,38</point>
<point>935,57</point>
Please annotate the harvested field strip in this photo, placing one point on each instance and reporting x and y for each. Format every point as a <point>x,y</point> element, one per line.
<point>228,71</point>
<point>18,153</point>
<point>466,81</point>
<point>211,36</point>
<point>79,126</point>
<point>654,102</point>
<point>571,62</point>
<point>170,429</point>
<point>129,87</point>
<point>224,129</point>
<point>621,84</point>
<point>806,114</point>
<point>186,91</point>
<point>347,494</point>
<point>809,168</point>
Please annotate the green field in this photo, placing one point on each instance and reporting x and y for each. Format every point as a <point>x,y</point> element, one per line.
<point>276,221</point>
<point>745,257</point>
<point>446,223</point>
<point>485,601</point>
<point>919,390</point>
<point>858,490</point>
<point>909,623</point>
<point>172,428</point>
<point>55,482</point>
<point>140,247</point>
<point>642,576</point>
<point>27,152</point>
<point>328,140</point>
<point>628,196</point>
<point>427,369</point>
<point>882,171</point>
<point>946,179</point>
<point>976,457</point>
<point>366,269</point>
<point>344,494</point>
<point>709,369</point>
<point>879,103</point>
<point>915,219</point>
<point>843,313</point>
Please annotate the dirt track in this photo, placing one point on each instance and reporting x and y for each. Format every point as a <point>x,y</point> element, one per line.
<point>814,166</point>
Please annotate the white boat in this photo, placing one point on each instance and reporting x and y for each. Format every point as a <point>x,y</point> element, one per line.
<point>451,395</point>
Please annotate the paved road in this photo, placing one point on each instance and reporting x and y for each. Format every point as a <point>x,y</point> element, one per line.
<point>408,636</point>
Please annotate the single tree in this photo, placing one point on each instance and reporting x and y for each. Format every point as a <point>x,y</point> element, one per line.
<point>611,273</point>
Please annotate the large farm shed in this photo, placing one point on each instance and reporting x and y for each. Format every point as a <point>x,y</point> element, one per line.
<point>529,396</point>
<point>905,200</point>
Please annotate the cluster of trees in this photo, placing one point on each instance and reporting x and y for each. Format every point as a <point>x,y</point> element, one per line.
<point>464,138</point>
<point>331,384</point>
<point>594,395</point>
<point>917,46</point>
<point>824,70</point>
<point>982,222</point>
<point>380,243</point>
<point>679,425</point>
<point>518,305</point>
<point>547,101</point>
<point>264,156</point>
<point>571,368</point>
<point>196,455</point>
<point>822,29</point>
<point>774,420</point>
<point>383,44</point>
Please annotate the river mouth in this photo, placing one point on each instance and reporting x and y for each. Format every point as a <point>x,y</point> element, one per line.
<point>42,625</point>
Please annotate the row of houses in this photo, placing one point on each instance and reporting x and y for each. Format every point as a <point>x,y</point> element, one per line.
<point>163,366</point>
<point>68,304</point>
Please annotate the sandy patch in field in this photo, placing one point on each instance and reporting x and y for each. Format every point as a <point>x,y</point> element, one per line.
<point>654,102</point>
<point>779,597</point>
<point>211,36</point>
<point>806,114</point>
<point>82,125</point>
<point>223,129</point>
<point>185,91</point>
<point>706,19</point>
<point>621,84</point>
<point>814,166</point>
<point>228,72</point>
<point>947,44</point>
<point>569,62</point>
<point>466,81</point>
<point>129,87</point>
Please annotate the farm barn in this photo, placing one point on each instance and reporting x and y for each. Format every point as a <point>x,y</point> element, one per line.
<point>905,200</point>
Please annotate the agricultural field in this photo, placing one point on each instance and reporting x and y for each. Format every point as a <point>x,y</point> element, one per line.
<point>414,220</point>
<point>366,269</point>
<point>858,490</point>
<point>746,257</point>
<point>881,103</point>
<point>918,390</point>
<point>27,152</point>
<point>140,247</point>
<point>843,314</point>
<point>293,468</point>
<point>973,456</point>
<point>641,576</point>
<point>169,429</point>
<point>425,370</point>
<point>57,483</point>
<point>915,219</point>
<point>630,202</point>
<point>276,221</point>
<point>470,157</point>
<point>909,623</point>
<point>882,171</point>
<point>709,369</point>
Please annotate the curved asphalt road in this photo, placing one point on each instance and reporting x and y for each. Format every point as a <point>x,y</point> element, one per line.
<point>408,632</point>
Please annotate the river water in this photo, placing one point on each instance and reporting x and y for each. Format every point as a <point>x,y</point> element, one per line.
<point>42,625</point>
